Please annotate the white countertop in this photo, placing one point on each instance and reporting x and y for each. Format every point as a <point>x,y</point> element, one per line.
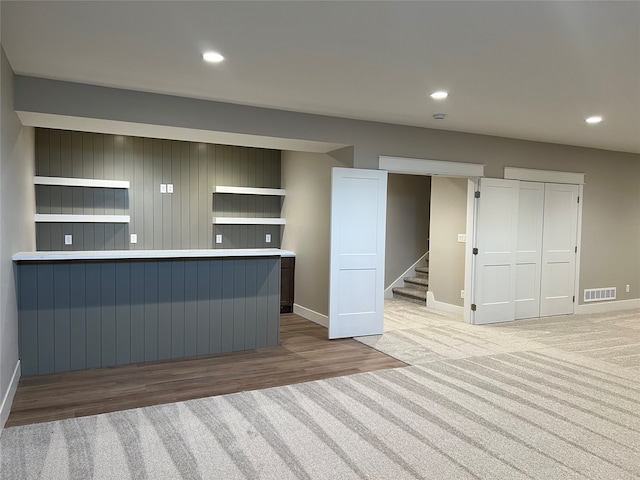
<point>151,254</point>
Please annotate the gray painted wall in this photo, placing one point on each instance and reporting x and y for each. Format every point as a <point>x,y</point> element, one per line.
<point>407,223</point>
<point>307,208</point>
<point>181,220</point>
<point>16,225</point>
<point>446,254</point>
<point>78,315</point>
<point>611,214</point>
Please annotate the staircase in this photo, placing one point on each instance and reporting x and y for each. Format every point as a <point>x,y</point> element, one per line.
<point>416,287</point>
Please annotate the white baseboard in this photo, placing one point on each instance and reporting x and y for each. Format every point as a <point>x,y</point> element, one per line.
<point>399,282</point>
<point>309,314</point>
<point>5,408</point>
<point>443,307</point>
<point>611,306</point>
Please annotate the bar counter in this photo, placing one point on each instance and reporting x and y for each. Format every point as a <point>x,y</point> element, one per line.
<point>94,309</point>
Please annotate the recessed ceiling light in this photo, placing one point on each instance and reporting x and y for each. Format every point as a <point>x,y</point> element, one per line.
<point>439,95</point>
<point>594,119</point>
<point>212,57</point>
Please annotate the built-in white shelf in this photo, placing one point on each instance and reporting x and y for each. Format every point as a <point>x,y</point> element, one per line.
<point>248,221</point>
<point>249,190</point>
<point>81,182</point>
<point>64,218</point>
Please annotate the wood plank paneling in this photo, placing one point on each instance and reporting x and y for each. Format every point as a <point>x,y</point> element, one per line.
<point>28,302</point>
<point>190,308</point>
<point>46,320</point>
<point>78,335</point>
<point>181,220</point>
<point>91,314</point>
<point>123,313</point>
<point>137,312</point>
<point>62,317</point>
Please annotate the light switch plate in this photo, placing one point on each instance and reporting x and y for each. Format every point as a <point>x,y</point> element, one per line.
<point>163,188</point>
<point>169,187</point>
<point>134,238</point>
<point>462,238</point>
<point>267,238</point>
<point>68,239</point>
<point>218,238</point>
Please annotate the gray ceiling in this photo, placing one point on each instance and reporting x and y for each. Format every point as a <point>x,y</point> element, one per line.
<point>530,70</point>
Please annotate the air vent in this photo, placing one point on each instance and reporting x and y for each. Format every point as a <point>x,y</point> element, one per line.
<point>599,294</point>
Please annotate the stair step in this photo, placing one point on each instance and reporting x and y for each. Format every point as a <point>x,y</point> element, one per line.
<point>417,283</point>
<point>424,269</point>
<point>410,294</point>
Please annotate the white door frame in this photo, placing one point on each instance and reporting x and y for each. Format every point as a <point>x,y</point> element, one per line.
<point>471,171</point>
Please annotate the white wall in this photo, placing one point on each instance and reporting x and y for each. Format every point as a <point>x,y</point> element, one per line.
<point>17,231</point>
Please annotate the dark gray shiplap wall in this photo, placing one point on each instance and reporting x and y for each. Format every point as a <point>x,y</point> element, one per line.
<point>78,315</point>
<point>181,220</point>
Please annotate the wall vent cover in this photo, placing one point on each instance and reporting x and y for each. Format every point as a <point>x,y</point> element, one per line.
<point>599,294</point>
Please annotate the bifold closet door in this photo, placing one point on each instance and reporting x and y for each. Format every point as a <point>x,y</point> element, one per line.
<point>559,240</point>
<point>529,249</point>
<point>496,240</point>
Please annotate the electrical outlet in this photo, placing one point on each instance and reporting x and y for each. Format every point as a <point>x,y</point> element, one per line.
<point>169,187</point>
<point>218,238</point>
<point>163,188</point>
<point>267,238</point>
<point>461,293</point>
<point>462,238</point>
<point>68,240</point>
<point>627,288</point>
<point>134,238</point>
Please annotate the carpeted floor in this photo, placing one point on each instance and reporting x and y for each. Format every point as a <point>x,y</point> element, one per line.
<point>555,399</point>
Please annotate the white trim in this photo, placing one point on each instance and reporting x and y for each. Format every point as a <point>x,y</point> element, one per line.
<point>469,257</point>
<point>608,306</point>
<point>443,307</point>
<point>149,254</point>
<point>309,314</point>
<point>399,282</point>
<point>418,166</point>
<point>7,401</point>
<point>249,190</point>
<point>56,218</point>
<point>116,127</point>
<point>80,182</point>
<point>248,221</point>
<point>576,290</point>
<point>545,176</point>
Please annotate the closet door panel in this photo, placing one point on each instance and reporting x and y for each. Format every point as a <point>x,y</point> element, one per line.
<point>559,249</point>
<point>529,249</point>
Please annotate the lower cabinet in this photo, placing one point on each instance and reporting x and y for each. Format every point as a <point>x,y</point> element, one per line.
<point>287,277</point>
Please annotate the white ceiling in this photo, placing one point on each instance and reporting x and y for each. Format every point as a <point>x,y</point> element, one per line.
<point>520,69</point>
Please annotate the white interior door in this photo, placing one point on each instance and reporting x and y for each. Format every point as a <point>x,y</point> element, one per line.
<point>358,221</point>
<point>496,241</point>
<point>559,249</point>
<point>529,249</point>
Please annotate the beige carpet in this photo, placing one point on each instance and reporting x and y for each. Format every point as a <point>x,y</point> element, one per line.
<point>520,401</point>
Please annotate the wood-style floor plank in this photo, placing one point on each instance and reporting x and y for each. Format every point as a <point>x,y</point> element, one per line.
<point>304,355</point>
